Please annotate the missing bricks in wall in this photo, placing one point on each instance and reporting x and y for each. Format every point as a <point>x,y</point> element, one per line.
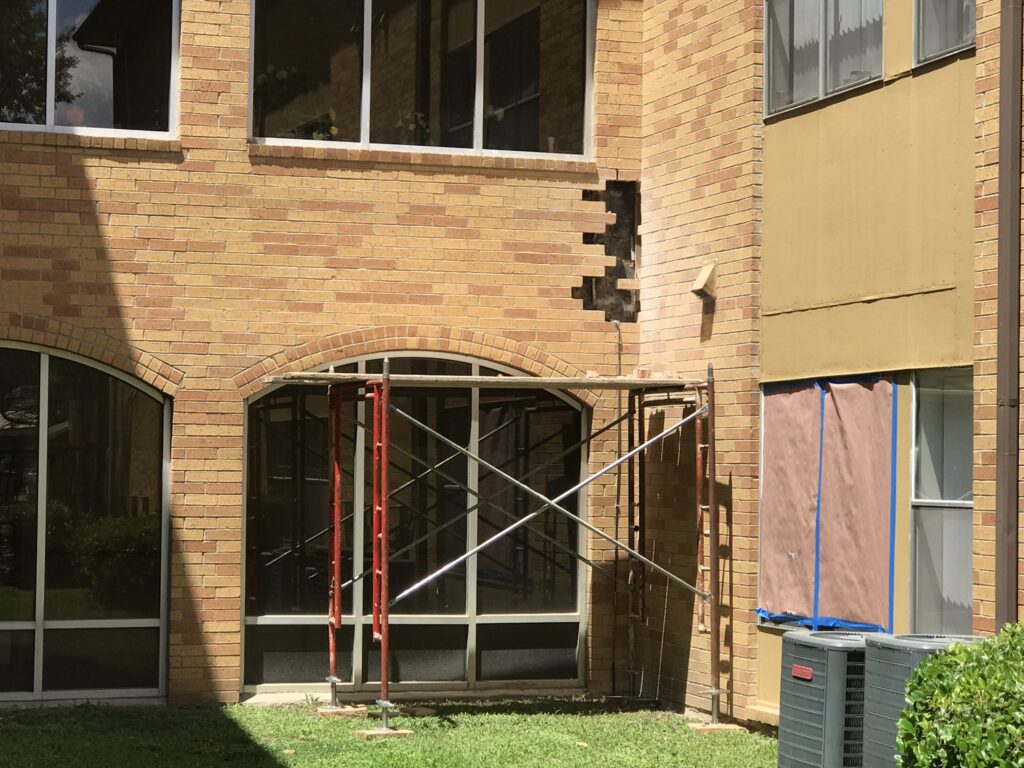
<point>619,240</point>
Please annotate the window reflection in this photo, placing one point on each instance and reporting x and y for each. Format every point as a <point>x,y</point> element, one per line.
<point>423,72</point>
<point>114,63</point>
<point>19,471</point>
<point>23,61</point>
<point>534,70</point>
<point>307,69</point>
<point>531,436</point>
<point>289,504</point>
<point>103,497</point>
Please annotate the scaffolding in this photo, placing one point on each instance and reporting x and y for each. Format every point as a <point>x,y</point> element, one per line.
<point>697,400</point>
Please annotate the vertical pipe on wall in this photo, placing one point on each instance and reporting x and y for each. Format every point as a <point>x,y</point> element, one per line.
<point>1008,334</point>
<point>713,586</point>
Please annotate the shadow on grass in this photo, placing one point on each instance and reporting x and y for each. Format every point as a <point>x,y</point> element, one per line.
<point>127,737</point>
<point>537,707</point>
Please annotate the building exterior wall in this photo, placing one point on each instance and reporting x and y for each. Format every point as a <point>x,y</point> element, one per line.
<point>701,188</point>
<point>204,263</point>
<point>986,218</point>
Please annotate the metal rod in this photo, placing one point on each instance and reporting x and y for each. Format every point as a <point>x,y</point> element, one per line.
<point>495,382</point>
<point>548,503</point>
<point>487,501</point>
<point>334,543</point>
<point>698,439</point>
<point>375,474</point>
<point>385,629</point>
<point>714,587</point>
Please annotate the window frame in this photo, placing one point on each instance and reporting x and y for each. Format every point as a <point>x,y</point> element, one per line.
<point>920,61</point>
<point>472,617</point>
<point>50,126</point>
<point>39,625</point>
<point>823,61</point>
<point>919,503</point>
<point>478,149</point>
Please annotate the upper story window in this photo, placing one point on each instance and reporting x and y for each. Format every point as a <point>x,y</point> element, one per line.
<point>87,64</point>
<point>943,26</point>
<point>498,75</point>
<point>820,47</point>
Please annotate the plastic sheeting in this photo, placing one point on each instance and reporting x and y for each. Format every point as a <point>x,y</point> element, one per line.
<point>827,503</point>
<point>789,491</point>
<point>855,492</point>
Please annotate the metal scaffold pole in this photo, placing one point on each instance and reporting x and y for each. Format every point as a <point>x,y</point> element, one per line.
<point>714,587</point>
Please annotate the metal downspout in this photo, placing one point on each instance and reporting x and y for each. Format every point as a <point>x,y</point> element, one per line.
<point>1008,334</point>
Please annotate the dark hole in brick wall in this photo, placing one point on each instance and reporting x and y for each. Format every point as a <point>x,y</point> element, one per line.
<point>619,240</point>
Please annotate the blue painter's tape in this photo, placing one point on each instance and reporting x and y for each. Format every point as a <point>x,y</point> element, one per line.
<point>817,510</point>
<point>892,501</point>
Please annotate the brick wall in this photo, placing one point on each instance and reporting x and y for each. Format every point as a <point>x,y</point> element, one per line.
<point>986,212</point>
<point>203,264</point>
<point>701,203</point>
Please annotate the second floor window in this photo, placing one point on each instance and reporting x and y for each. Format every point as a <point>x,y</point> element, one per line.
<point>100,64</point>
<point>819,47</point>
<point>503,75</point>
<point>943,26</point>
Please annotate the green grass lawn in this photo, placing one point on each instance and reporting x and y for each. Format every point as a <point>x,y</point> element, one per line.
<point>546,734</point>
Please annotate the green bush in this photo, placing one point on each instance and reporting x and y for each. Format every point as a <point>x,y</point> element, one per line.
<point>965,706</point>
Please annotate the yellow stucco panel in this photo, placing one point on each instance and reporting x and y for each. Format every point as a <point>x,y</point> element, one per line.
<point>868,229</point>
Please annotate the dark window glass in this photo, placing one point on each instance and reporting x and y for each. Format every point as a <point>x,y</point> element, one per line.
<point>418,653</point>
<point>944,26</point>
<point>307,69</point>
<point>289,503</point>
<point>103,505</point>
<point>794,37</point>
<point>854,42</point>
<point>534,72</point>
<point>294,654</point>
<point>526,651</point>
<point>23,61</point>
<point>17,651</point>
<point>422,72</point>
<point>114,64</point>
<point>427,513</point>
<point>77,659</point>
<point>19,470</point>
<point>532,436</point>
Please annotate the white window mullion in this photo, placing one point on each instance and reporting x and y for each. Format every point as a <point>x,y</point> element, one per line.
<point>472,523</point>
<point>364,108</point>
<point>41,480</point>
<point>51,63</point>
<point>478,103</point>
<point>589,69</point>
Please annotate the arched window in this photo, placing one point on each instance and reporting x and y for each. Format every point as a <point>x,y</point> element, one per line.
<point>511,613</point>
<point>82,530</point>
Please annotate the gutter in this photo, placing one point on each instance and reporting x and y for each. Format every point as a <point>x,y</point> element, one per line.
<point>1008,334</point>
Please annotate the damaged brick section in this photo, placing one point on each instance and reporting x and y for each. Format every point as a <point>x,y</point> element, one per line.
<point>619,240</point>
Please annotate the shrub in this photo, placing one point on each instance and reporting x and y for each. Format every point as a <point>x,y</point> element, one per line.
<point>965,706</point>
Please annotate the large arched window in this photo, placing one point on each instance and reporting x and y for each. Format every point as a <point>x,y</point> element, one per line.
<point>82,530</point>
<point>512,613</point>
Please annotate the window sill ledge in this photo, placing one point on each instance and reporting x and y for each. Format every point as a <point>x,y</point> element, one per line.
<point>422,160</point>
<point>82,141</point>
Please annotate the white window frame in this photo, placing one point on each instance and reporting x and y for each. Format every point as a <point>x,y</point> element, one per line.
<point>917,503</point>
<point>39,625</point>
<point>471,618</point>
<point>823,93</point>
<point>478,109</point>
<point>50,126</point>
<point>920,61</point>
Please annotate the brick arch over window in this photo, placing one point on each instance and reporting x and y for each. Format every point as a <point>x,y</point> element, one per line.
<point>409,338</point>
<point>62,336</point>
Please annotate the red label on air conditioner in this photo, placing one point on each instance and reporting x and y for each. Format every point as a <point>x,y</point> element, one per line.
<point>800,672</point>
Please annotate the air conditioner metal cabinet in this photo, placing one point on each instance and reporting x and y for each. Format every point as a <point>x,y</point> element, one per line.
<point>821,708</point>
<point>890,661</point>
